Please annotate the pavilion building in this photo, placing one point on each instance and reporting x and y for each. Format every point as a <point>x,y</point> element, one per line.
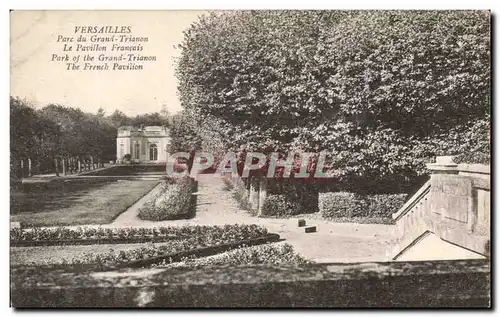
<point>145,144</point>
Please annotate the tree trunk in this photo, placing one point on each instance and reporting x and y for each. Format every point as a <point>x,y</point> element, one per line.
<point>262,194</point>
<point>56,165</point>
<point>64,167</point>
<point>254,193</point>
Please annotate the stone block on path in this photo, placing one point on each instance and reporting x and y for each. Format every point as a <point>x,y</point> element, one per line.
<point>310,229</point>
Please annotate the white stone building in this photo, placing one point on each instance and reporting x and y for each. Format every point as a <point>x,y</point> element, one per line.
<point>145,145</point>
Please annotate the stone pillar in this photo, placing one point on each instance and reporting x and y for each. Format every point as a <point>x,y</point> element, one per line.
<point>262,194</point>
<point>30,168</point>
<point>22,168</point>
<point>79,166</point>
<point>92,162</point>
<point>253,197</point>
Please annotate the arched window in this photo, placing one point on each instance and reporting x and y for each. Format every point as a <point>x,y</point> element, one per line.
<point>153,152</point>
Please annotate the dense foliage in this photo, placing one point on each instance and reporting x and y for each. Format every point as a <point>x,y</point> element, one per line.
<point>381,92</point>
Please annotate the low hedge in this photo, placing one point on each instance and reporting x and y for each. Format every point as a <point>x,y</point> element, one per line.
<point>174,201</point>
<point>280,206</point>
<point>353,205</point>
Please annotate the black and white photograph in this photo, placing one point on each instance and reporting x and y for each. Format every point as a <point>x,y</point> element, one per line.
<point>250,158</point>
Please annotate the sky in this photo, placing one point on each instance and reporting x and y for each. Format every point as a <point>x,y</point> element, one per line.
<point>33,76</point>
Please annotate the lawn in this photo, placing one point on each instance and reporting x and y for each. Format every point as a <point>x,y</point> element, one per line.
<point>75,203</point>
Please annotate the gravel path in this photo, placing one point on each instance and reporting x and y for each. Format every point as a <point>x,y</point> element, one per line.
<point>334,242</point>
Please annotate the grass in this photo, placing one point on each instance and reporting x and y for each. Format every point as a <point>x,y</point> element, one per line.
<point>76,202</point>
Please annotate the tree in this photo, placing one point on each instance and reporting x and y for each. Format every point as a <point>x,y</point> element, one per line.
<point>379,90</point>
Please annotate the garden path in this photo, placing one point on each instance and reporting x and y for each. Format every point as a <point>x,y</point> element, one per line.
<point>333,242</point>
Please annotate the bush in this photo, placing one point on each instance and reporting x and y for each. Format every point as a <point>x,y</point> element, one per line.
<point>279,205</point>
<point>289,197</point>
<point>353,205</point>
<point>175,201</point>
<point>341,204</point>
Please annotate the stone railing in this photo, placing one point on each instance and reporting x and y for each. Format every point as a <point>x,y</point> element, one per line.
<point>394,284</point>
<point>454,205</point>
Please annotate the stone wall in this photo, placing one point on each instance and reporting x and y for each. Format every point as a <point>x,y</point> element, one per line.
<point>454,205</point>
<point>392,284</point>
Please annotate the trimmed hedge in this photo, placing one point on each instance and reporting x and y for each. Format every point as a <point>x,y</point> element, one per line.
<point>353,205</point>
<point>280,205</point>
<point>289,196</point>
<point>175,201</point>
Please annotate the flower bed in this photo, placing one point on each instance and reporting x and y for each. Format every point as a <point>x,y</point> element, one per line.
<point>66,236</point>
<point>153,255</point>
